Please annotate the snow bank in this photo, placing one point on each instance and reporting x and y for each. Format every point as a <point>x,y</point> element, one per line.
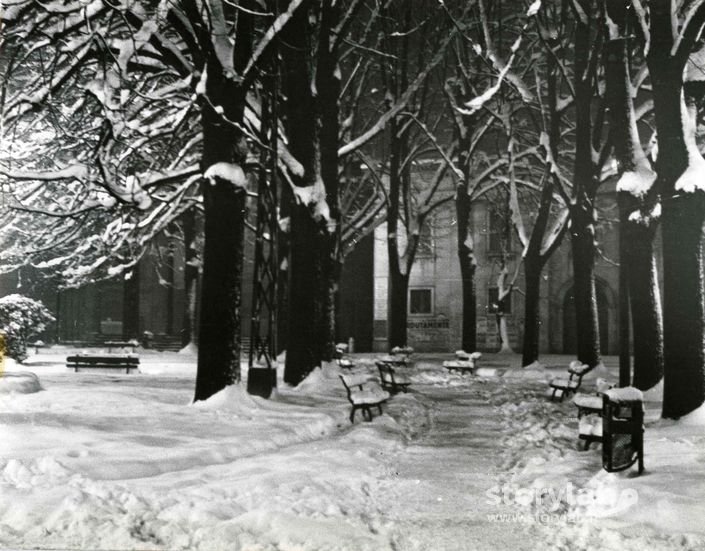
<point>19,382</point>
<point>534,371</point>
<point>655,393</point>
<point>189,350</point>
<point>695,418</point>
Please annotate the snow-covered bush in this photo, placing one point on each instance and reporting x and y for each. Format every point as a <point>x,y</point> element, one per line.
<point>21,318</point>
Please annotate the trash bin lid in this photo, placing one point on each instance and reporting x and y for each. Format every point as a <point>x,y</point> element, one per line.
<point>626,395</point>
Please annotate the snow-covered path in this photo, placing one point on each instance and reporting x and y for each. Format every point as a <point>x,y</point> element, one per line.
<point>100,462</point>
<point>437,492</point>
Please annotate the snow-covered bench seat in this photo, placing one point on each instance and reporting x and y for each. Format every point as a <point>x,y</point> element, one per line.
<point>115,363</point>
<point>464,361</point>
<point>587,404</point>
<point>363,394</point>
<point>461,366</point>
<point>394,361</point>
<point>591,403</point>
<point>341,349</point>
<point>391,380</point>
<point>562,385</point>
<point>405,351</point>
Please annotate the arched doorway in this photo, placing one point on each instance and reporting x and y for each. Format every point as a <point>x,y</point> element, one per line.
<point>570,334</point>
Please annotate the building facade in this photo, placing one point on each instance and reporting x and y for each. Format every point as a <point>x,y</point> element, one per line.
<point>435,300</point>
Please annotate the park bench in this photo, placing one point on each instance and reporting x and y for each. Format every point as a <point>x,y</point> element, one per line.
<point>363,394</point>
<point>37,345</point>
<point>341,359</point>
<point>405,351</point>
<point>391,380</point>
<point>464,362</point>
<point>116,363</point>
<point>562,386</point>
<point>589,404</point>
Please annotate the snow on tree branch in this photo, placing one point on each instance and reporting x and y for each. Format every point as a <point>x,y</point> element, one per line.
<point>401,103</point>
<point>690,30</point>
<point>228,172</point>
<point>270,34</point>
<point>641,18</point>
<point>72,172</point>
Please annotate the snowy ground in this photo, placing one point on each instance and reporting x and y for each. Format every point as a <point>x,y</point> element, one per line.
<point>462,462</point>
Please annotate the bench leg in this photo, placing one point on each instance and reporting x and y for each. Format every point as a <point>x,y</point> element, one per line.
<point>379,408</point>
<point>367,413</point>
<point>352,414</point>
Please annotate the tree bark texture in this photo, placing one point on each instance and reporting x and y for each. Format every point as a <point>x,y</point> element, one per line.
<point>645,302</point>
<point>582,233</point>
<point>131,305</point>
<point>398,293</point>
<point>532,311</point>
<point>188,222</point>
<point>468,266</point>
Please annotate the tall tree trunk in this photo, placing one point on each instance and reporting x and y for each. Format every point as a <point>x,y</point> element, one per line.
<point>638,279</point>
<point>398,307</point>
<point>466,258</point>
<point>681,222</point>
<point>582,211</point>
<point>645,305</point>
<point>302,344</point>
<point>532,313</point>
<point>188,333</point>
<point>304,304</point>
<point>131,305</point>
<point>328,85</point>
<point>625,351</point>
<point>224,222</point>
<point>170,289</point>
<point>398,279</point>
<point>582,232</point>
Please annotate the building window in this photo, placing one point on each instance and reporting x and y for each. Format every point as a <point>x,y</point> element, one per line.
<point>425,248</point>
<point>498,232</point>
<point>420,302</point>
<point>494,306</point>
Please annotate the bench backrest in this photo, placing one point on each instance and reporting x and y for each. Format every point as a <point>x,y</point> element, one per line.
<point>578,368</point>
<point>89,360</point>
<point>386,371</point>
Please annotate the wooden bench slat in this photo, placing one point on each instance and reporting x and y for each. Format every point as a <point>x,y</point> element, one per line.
<point>83,362</point>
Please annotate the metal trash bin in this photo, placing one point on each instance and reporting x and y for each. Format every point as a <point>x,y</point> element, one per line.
<point>622,429</point>
<point>261,380</point>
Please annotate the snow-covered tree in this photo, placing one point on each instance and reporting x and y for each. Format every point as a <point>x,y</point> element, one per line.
<point>671,31</point>
<point>21,318</point>
<point>184,69</point>
<point>639,205</point>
